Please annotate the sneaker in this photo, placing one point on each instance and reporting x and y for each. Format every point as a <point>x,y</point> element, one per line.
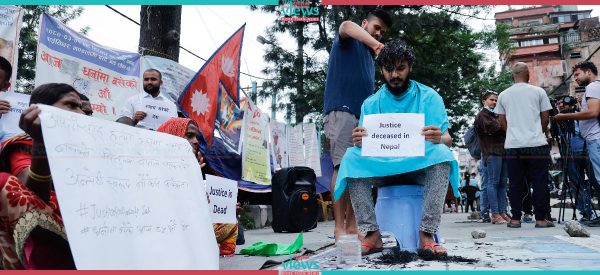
<point>593,223</point>
<point>486,219</point>
<point>527,218</point>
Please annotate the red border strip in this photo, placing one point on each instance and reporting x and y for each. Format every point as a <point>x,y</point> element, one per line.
<point>458,2</point>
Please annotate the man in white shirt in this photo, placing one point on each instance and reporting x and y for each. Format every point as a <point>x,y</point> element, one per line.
<point>136,106</point>
<point>523,112</point>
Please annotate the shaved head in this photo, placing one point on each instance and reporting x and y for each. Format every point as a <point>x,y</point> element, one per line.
<point>520,72</point>
<point>519,68</point>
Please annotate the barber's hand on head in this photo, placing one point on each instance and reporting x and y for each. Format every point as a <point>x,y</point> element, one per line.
<point>200,160</point>
<point>139,115</point>
<point>4,106</point>
<point>433,134</point>
<point>357,135</point>
<point>30,122</point>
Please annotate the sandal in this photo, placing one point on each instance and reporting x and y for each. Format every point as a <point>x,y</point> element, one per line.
<point>432,248</point>
<point>499,220</point>
<point>371,247</point>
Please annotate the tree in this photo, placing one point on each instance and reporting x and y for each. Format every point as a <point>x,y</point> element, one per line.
<point>29,39</point>
<point>160,31</point>
<point>446,49</point>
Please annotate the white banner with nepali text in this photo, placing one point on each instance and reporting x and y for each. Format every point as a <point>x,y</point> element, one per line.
<point>107,76</point>
<point>11,19</point>
<point>130,198</point>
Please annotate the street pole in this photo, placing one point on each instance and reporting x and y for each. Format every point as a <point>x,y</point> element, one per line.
<point>254,92</point>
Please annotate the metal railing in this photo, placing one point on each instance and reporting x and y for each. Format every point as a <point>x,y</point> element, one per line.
<point>570,37</point>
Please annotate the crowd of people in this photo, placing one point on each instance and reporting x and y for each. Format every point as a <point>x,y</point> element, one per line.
<point>32,234</point>
<point>513,129</point>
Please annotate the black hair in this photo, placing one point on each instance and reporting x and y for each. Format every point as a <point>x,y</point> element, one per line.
<point>50,93</point>
<point>6,67</point>
<point>487,95</point>
<point>383,15</point>
<point>586,66</point>
<point>155,70</point>
<point>394,51</point>
<point>83,97</point>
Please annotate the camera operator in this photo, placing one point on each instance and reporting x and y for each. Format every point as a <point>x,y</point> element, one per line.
<point>586,75</point>
<point>572,150</point>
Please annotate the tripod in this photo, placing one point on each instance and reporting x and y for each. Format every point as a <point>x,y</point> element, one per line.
<point>565,133</point>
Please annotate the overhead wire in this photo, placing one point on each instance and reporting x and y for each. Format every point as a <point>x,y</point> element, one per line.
<point>181,47</point>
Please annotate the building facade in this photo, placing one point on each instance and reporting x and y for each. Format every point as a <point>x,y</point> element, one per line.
<point>551,40</point>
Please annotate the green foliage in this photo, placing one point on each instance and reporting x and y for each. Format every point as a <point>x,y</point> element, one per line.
<point>29,38</point>
<point>448,56</point>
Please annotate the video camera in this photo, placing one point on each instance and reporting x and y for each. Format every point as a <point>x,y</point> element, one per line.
<point>569,105</point>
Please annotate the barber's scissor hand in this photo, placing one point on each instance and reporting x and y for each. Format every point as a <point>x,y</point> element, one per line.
<point>433,134</point>
<point>357,134</point>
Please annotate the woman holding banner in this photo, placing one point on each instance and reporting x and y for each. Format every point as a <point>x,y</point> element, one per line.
<point>186,128</point>
<point>32,233</point>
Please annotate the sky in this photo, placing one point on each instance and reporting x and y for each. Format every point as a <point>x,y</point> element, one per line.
<point>205,28</point>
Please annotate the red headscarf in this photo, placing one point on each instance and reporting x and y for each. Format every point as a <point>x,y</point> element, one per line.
<point>176,126</point>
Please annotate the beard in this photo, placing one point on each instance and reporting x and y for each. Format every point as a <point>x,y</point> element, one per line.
<point>398,89</point>
<point>151,89</point>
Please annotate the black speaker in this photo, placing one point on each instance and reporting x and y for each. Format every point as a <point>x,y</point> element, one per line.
<point>294,201</point>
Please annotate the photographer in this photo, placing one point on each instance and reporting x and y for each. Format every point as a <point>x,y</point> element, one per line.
<point>572,148</point>
<point>586,75</point>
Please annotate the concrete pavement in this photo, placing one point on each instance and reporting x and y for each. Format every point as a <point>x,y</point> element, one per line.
<point>525,248</point>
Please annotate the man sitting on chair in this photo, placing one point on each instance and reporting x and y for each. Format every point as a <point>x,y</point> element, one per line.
<point>401,95</point>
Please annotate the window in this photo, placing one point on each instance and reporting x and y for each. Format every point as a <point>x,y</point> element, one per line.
<point>575,55</point>
<point>533,42</point>
<point>552,40</point>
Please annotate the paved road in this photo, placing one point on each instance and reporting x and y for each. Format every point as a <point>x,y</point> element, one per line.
<point>525,248</point>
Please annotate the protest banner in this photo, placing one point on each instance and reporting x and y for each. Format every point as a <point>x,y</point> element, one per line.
<point>229,121</point>
<point>394,135</point>
<point>312,146</point>
<point>157,112</point>
<point>279,144</point>
<point>107,76</point>
<point>130,198</point>
<point>296,146</point>
<point>174,75</point>
<point>9,122</point>
<point>222,194</point>
<point>256,165</point>
<point>11,19</point>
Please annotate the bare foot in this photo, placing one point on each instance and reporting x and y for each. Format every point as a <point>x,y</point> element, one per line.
<point>338,232</point>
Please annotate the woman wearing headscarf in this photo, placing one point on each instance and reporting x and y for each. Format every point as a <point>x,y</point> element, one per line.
<point>186,128</point>
<point>32,233</point>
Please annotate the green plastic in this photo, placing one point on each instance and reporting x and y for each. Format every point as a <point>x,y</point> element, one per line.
<point>273,249</point>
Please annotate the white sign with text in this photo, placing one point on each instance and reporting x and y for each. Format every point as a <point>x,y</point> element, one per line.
<point>9,122</point>
<point>394,135</point>
<point>157,112</point>
<point>222,195</point>
<point>130,198</point>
